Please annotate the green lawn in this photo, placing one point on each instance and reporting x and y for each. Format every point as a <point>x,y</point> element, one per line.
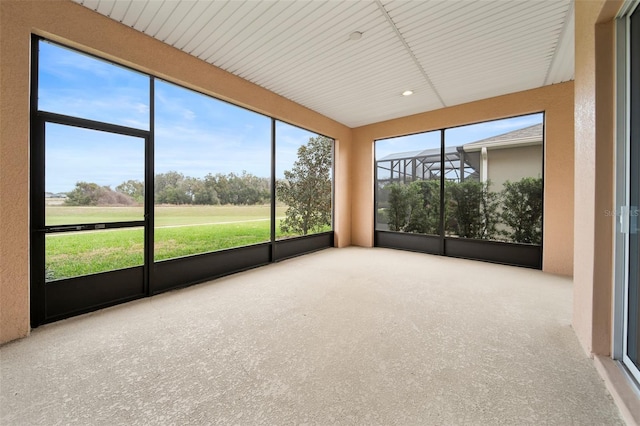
<point>180,231</point>
<point>74,254</point>
<point>187,240</point>
<point>164,214</point>
<point>64,215</point>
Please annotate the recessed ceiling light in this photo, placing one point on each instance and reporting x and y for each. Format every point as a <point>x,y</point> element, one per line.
<point>407,93</point>
<point>356,35</point>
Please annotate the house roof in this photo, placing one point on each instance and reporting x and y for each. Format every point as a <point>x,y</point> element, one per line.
<point>352,60</point>
<point>531,135</point>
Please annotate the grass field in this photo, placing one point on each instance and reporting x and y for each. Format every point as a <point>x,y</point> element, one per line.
<point>179,231</point>
<point>165,215</point>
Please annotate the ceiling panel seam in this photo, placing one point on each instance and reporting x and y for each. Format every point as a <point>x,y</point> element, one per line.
<point>323,48</point>
<point>410,52</point>
<point>288,44</point>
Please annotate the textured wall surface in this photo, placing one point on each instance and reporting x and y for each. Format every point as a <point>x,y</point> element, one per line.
<point>557,103</point>
<point>14,174</point>
<point>594,171</point>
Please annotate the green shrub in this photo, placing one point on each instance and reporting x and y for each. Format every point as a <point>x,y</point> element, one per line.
<point>424,196</point>
<point>397,214</point>
<point>472,209</point>
<point>522,210</point>
<point>92,194</point>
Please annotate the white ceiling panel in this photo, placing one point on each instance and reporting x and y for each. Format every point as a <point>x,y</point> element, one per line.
<point>561,68</point>
<point>447,52</point>
<point>167,11</point>
<point>283,47</point>
<point>146,15</point>
<point>194,24</point>
<point>133,11</point>
<point>119,10</point>
<point>182,25</point>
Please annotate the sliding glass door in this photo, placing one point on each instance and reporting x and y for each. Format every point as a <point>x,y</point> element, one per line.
<point>629,214</point>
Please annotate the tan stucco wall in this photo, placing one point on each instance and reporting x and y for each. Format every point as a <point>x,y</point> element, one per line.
<point>512,164</point>
<point>82,28</point>
<point>594,171</point>
<point>556,101</point>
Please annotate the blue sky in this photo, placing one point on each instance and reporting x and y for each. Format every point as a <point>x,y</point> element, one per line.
<point>194,134</point>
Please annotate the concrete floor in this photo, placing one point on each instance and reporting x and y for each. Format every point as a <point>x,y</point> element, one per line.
<point>341,336</point>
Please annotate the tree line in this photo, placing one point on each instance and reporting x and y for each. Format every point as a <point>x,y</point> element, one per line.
<point>306,189</point>
<point>175,188</point>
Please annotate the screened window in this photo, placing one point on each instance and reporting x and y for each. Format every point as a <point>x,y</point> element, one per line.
<point>408,174</point>
<point>500,196</point>
<point>139,186</point>
<point>78,85</point>
<point>73,254</point>
<point>304,164</point>
<point>212,174</point>
<point>89,176</point>
<point>455,188</point>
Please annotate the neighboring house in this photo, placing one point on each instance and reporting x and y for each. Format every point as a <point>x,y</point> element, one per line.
<point>506,157</point>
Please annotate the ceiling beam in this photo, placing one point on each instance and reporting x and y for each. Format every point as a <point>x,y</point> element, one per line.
<point>410,52</point>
